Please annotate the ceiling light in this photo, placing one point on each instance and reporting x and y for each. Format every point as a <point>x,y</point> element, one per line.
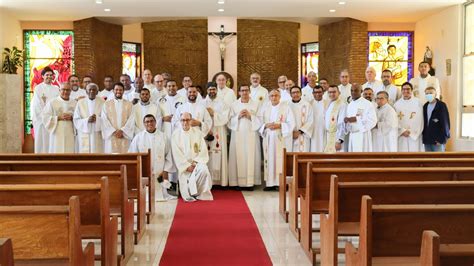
<point>220,10</point>
<point>332,10</point>
<point>342,3</point>
<point>221,2</point>
<point>107,9</point>
<point>98,1</point>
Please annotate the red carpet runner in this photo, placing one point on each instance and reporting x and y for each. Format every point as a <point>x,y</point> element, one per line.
<point>219,232</point>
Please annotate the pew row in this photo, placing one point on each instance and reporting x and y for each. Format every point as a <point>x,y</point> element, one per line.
<point>343,215</point>
<point>392,234</point>
<point>120,204</point>
<point>433,253</point>
<point>96,221</point>
<point>315,195</point>
<point>136,188</point>
<point>46,235</point>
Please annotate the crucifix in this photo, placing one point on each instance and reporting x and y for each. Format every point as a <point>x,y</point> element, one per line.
<point>224,38</point>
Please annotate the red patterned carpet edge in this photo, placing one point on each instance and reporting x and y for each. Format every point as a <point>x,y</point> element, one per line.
<point>219,232</point>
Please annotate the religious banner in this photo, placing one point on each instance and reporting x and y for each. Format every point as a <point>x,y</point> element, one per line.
<point>392,51</point>
<point>45,48</point>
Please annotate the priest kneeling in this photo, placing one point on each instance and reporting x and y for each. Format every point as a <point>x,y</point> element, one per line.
<point>191,156</point>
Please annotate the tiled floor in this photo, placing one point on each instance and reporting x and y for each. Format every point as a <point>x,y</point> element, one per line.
<point>281,245</point>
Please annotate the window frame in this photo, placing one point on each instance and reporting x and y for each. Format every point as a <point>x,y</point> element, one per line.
<point>465,109</point>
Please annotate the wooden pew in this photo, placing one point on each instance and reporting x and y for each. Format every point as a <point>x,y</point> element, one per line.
<point>94,203</point>
<point>344,204</point>
<point>47,235</point>
<point>6,252</point>
<point>435,254</point>
<point>136,188</point>
<point>298,180</point>
<point>289,158</point>
<point>144,158</point>
<point>315,196</point>
<point>120,204</point>
<point>393,233</point>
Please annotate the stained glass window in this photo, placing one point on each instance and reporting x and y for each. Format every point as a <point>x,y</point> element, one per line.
<point>393,51</point>
<point>44,48</point>
<point>131,58</point>
<point>309,60</point>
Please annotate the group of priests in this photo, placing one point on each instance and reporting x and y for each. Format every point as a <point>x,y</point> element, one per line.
<point>218,140</point>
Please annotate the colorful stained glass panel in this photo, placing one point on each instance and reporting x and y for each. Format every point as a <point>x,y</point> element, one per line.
<point>309,60</point>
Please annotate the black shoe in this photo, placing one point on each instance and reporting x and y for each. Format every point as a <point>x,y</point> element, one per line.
<point>246,188</point>
<point>276,188</point>
<point>268,189</point>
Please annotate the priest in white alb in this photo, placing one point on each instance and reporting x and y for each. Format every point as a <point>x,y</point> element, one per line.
<point>43,93</point>
<point>334,121</point>
<point>77,92</point>
<point>345,86</point>
<point>277,133</point>
<point>158,91</point>
<point>360,119</point>
<point>57,119</point>
<point>117,122</point>
<point>372,82</point>
<point>161,157</point>
<point>216,139</point>
<point>87,121</point>
<point>145,107</point>
<point>191,157</point>
<point>410,124</point>
<point>318,138</point>
<point>303,113</point>
<point>385,133</point>
<point>223,92</point>
<point>201,118</point>
<point>424,81</point>
<point>168,105</point>
<point>244,160</point>
<point>258,93</point>
<point>307,90</point>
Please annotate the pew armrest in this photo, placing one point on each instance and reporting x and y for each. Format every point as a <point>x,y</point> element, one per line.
<point>88,255</point>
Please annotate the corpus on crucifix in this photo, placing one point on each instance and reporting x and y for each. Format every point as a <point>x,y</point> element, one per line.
<point>224,38</point>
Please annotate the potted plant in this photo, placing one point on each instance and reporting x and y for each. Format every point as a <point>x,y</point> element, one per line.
<point>12,60</point>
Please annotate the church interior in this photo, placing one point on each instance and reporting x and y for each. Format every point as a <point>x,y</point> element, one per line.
<point>344,208</point>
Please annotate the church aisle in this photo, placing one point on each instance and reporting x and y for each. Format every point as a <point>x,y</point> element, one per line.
<point>219,232</point>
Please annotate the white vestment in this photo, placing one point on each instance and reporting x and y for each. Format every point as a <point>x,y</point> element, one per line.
<point>307,92</point>
<point>375,85</point>
<point>61,132</point>
<point>156,95</point>
<point>77,95</point>
<point>393,93</point>
<point>89,135</point>
<point>139,111</point>
<point>227,95</point>
<point>334,125</point>
<point>410,115</point>
<point>42,94</point>
<point>161,157</point>
<point>218,147</point>
<point>420,84</point>
<point>259,94</point>
<point>198,112</point>
<point>168,106</point>
<point>285,96</point>
<point>189,147</point>
<point>106,95</point>
<point>117,115</point>
<point>360,132</point>
<point>131,96</point>
<point>275,140</point>
<point>318,138</point>
<point>149,86</point>
<point>244,152</point>
<point>345,91</point>
<point>385,134</point>
<point>303,114</point>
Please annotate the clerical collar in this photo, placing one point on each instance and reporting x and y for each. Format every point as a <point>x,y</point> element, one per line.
<point>144,104</point>
<point>91,99</point>
<point>296,101</point>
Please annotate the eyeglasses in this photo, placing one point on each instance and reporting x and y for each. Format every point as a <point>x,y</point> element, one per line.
<point>379,98</point>
<point>185,120</point>
<point>281,82</point>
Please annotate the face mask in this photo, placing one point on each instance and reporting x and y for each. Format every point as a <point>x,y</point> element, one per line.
<point>429,97</point>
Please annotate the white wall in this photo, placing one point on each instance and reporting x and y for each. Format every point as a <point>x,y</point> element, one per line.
<point>10,30</point>
<point>442,32</point>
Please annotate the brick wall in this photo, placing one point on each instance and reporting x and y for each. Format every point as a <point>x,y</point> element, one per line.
<point>269,48</point>
<point>343,45</point>
<point>97,49</point>
<point>178,47</point>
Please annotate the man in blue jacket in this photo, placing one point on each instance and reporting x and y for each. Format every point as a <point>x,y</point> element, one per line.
<point>436,122</point>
